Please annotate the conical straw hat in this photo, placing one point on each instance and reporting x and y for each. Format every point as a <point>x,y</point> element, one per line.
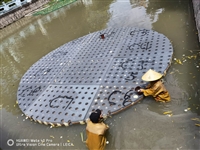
<point>151,75</point>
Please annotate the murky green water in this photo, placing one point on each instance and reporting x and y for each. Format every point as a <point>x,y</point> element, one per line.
<point>142,126</point>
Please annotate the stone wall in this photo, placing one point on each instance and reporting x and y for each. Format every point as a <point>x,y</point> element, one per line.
<point>196,6</point>
<point>20,12</point>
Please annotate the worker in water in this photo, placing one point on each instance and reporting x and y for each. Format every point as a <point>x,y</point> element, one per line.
<point>155,87</point>
<point>96,129</point>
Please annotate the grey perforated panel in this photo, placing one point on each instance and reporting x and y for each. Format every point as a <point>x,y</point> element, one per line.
<point>84,71</point>
<point>43,71</point>
<point>99,70</point>
<point>112,98</point>
<point>59,103</point>
<point>102,48</point>
<point>28,93</point>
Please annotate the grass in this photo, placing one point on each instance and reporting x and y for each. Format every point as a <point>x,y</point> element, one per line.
<point>53,5</point>
<point>5,1</point>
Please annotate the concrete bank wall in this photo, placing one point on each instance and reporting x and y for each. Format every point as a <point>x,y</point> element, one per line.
<point>196,6</point>
<point>20,12</point>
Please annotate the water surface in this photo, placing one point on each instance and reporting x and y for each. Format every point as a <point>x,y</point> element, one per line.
<point>143,126</point>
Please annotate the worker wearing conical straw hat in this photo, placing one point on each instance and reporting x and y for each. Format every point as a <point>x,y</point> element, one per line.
<point>155,87</point>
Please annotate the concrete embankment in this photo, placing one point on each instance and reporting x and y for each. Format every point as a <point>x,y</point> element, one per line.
<point>196,6</point>
<point>20,12</point>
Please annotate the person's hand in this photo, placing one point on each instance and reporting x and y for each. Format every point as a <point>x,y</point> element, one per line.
<point>101,116</point>
<point>140,90</point>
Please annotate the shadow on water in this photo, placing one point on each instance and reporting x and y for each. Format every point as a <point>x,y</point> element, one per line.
<point>143,126</point>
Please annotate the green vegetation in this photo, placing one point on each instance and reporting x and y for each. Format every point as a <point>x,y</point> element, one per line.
<point>5,1</point>
<point>53,5</point>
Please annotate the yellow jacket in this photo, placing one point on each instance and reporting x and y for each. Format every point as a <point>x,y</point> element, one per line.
<point>95,135</point>
<point>158,91</point>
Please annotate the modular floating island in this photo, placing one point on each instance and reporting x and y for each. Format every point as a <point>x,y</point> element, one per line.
<point>97,71</point>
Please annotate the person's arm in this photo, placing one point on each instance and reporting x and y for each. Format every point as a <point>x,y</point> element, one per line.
<point>105,126</point>
<point>145,86</point>
<point>147,92</point>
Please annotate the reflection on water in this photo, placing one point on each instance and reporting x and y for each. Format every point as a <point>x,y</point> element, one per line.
<point>143,126</point>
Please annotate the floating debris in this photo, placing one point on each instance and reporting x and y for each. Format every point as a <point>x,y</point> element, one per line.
<point>186,109</point>
<point>167,112</point>
<point>178,61</point>
<point>51,136</point>
<point>184,59</point>
<point>196,119</point>
<point>82,122</point>
<point>169,115</point>
<point>82,136</point>
<point>192,56</point>
<point>196,124</point>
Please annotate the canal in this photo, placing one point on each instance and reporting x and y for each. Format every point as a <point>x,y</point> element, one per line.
<point>142,126</point>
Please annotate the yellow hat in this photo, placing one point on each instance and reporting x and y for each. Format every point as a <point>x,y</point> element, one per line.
<point>151,75</point>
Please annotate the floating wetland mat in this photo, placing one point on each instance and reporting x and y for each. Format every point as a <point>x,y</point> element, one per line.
<point>98,71</point>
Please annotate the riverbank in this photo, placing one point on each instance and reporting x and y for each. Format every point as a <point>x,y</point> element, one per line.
<point>196,7</point>
<point>20,12</point>
<point>17,14</point>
